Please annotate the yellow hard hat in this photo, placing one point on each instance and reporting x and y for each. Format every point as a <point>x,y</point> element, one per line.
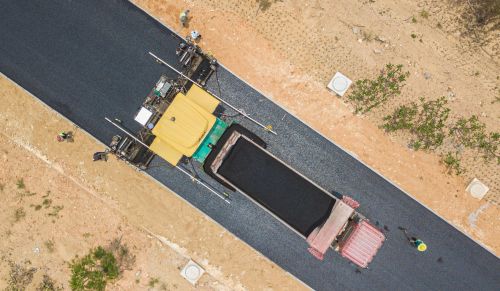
<point>422,247</point>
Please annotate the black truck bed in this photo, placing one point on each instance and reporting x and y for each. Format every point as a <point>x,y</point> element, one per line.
<point>275,186</point>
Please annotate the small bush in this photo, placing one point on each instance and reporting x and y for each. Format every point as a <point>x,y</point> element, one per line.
<point>489,147</point>
<point>47,202</point>
<point>93,271</point>
<point>55,210</point>
<point>122,253</point>
<point>471,133</point>
<point>468,132</point>
<point>153,281</point>
<point>20,184</point>
<point>426,121</point>
<point>48,284</point>
<point>20,276</point>
<point>50,245</point>
<point>100,266</point>
<point>19,214</point>
<point>430,123</point>
<point>424,14</point>
<point>368,94</point>
<point>265,4</point>
<point>452,163</point>
<point>486,12</point>
<point>402,118</point>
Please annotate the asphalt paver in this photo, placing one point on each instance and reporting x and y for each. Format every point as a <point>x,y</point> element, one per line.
<point>89,60</point>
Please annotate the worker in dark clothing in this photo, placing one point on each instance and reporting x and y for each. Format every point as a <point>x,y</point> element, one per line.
<point>415,242</point>
<point>100,156</point>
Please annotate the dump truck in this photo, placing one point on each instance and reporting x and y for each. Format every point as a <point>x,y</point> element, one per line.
<point>183,125</point>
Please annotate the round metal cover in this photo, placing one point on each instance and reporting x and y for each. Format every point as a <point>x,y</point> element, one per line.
<point>192,272</point>
<point>340,84</point>
<point>477,190</point>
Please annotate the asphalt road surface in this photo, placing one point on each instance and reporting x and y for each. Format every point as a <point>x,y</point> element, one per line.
<point>88,60</point>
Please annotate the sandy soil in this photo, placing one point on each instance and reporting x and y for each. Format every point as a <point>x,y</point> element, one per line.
<point>293,48</point>
<point>162,230</point>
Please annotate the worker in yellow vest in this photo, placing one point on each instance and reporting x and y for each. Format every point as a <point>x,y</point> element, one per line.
<point>184,17</point>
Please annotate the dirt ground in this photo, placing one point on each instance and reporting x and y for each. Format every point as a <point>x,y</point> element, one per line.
<point>293,48</point>
<point>69,204</point>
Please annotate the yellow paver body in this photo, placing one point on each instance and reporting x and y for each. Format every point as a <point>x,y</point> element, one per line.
<point>184,125</point>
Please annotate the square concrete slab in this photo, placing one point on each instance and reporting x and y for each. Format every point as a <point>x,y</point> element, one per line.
<point>339,84</point>
<point>192,272</point>
<point>477,189</point>
<point>143,116</point>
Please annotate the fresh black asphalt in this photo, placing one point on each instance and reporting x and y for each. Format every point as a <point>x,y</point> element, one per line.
<point>88,60</point>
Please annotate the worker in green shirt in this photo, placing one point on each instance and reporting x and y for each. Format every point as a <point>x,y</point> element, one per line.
<point>417,243</point>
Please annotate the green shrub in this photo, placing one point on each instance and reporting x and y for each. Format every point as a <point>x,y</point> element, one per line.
<point>402,118</point>
<point>430,123</point>
<point>368,94</point>
<point>471,133</point>
<point>426,121</point>
<point>100,266</point>
<point>93,271</point>
<point>19,214</point>
<point>468,132</point>
<point>424,14</point>
<point>20,276</point>
<point>452,163</point>
<point>20,184</point>
<point>48,284</point>
<point>489,147</point>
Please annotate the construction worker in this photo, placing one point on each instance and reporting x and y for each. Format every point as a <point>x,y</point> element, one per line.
<point>415,242</point>
<point>63,135</point>
<point>419,244</point>
<point>100,156</point>
<point>184,17</point>
<point>195,35</point>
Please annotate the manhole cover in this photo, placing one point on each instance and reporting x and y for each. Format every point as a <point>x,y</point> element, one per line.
<point>192,272</point>
<point>339,84</point>
<point>477,189</point>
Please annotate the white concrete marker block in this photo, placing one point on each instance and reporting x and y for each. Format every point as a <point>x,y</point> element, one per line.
<point>143,116</point>
<point>339,84</point>
<point>477,189</point>
<point>192,272</point>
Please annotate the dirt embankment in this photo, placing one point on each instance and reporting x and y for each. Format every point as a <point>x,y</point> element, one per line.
<point>57,203</point>
<point>290,51</point>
